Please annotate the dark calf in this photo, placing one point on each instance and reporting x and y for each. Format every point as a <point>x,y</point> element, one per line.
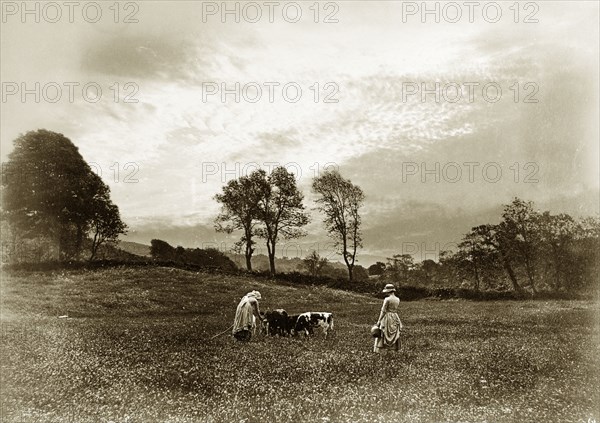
<point>290,324</point>
<point>276,322</point>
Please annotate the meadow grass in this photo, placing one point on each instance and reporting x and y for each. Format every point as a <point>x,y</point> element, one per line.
<point>136,347</point>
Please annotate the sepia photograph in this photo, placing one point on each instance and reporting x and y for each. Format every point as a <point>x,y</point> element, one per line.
<point>310,211</point>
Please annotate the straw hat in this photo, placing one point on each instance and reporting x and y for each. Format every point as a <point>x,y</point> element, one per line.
<point>389,288</point>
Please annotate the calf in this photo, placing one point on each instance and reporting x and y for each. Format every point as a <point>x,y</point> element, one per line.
<point>306,322</point>
<point>290,324</point>
<point>276,322</point>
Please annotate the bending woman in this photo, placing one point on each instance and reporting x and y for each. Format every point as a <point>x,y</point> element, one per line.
<point>245,313</point>
<point>389,322</point>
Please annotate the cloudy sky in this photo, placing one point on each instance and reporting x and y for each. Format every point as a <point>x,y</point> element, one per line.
<point>355,99</point>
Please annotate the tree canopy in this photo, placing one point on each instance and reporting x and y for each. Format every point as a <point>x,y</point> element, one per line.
<point>281,211</point>
<point>340,200</point>
<point>240,209</point>
<point>50,192</point>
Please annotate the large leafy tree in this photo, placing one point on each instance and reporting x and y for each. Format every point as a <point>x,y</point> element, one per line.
<point>399,266</point>
<point>239,201</point>
<point>377,268</point>
<point>558,235</point>
<point>477,255</point>
<point>520,229</point>
<point>536,250</point>
<point>281,210</point>
<point>106,224</point>
<point>50,191</point>
<point>210,257</point>
<point>340,200</point>
<point>494,237</point>
<point>585,256</point>
<point>161,250</point>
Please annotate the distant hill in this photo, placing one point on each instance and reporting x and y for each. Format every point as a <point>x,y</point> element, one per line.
<point>260,262</point>
<point>135,248</point>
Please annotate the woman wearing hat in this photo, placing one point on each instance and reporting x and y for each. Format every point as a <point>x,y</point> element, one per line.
<point>389,323</point>
<point>244,321</point>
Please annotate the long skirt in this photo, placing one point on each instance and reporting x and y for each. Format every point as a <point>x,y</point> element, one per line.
<point>390,327</point>
<point>243,321</point>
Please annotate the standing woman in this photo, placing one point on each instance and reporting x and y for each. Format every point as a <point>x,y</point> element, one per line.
<point>389,322</point>
<point>245,313</point>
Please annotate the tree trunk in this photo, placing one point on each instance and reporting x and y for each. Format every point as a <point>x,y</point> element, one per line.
<point>95,244</point>
<point>272,260</point>
<point>249,250</point>
<point>271,251</point>
<point>349,264</point>
<point>94,250</point>
<point>530,274</point>
<point>248,254</point>
<point>511,273</point>
<point>476,276</point>
<point>248,261</point>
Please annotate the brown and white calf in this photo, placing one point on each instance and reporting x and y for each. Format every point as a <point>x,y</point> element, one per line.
<point>310,320</point>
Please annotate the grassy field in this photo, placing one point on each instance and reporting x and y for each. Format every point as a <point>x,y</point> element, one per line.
<point>136,348</point>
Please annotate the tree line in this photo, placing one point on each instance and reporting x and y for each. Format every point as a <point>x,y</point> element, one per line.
<point>209,257</point>
<point>528,250</point>
<point>53,203</point>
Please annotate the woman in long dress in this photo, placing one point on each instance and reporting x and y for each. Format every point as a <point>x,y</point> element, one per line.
<point>245,314</point>
<point>389,322</point>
